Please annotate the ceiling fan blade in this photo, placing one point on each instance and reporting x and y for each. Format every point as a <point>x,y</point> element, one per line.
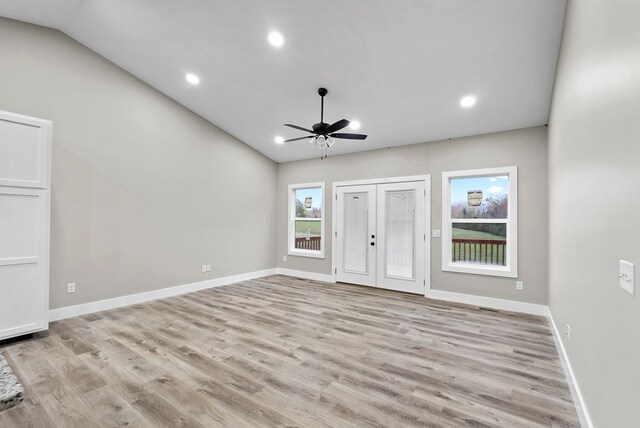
<point>297,127</point>
<point>301,138</point>
<point>349,136</point>
<point>337,126</point>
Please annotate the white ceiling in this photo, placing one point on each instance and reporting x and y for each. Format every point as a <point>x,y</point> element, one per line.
<point>399,67</point>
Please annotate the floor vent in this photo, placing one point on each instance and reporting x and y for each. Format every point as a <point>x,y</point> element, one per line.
<point>488,309</point>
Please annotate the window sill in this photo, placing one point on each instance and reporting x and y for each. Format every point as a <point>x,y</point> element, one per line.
<point>307,253</point>
<point>500,271</point>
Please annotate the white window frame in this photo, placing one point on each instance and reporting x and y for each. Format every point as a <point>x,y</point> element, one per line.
<point>291,207</point>
<point>511,269</point>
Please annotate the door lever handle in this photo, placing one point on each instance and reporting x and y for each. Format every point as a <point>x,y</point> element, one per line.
<point>373,243</point>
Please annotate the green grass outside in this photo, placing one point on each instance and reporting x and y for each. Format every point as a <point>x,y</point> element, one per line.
<point>473,234</point>
<point>478,253</point>
<point>312,226</point>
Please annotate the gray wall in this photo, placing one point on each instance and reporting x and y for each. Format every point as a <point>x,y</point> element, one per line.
<point>526,148</point>
<point>144,191</point>
<point>594,189</point>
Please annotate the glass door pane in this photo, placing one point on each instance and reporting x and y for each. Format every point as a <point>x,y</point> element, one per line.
<point>400,234</point>
<point>356,226</point>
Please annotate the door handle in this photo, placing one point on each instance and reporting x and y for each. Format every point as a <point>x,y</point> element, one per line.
<point>373,236</point>
<point>373,243</point>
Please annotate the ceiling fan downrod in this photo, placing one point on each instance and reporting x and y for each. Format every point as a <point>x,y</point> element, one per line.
<point>322,92</point>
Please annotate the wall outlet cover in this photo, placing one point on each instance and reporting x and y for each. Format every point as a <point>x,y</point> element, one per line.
<point>71,287</point>
<point>435,233</point>
<point>627,277</point>
<point>519,285</point>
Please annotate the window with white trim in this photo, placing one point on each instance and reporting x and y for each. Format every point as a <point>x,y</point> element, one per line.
<point>480,222</point>
<point>306,219</point>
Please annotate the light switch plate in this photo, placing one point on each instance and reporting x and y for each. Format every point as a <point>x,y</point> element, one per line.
<point>626,276</point>
<point>435,233</point>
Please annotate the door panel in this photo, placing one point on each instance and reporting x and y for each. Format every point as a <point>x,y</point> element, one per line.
<point>401,240</point>
<point>399,248</point>
<point>356,223</point>
<point>20,288</point>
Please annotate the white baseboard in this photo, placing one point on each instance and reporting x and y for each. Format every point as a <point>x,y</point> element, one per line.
<point>306,275</point>
<point>132,299</point>
<point>489,302</point>
<point>581,408</point>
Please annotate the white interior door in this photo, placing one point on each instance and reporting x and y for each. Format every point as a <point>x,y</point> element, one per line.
<point>25,156</point>
<point>355,233</point>
<point>380,235</point>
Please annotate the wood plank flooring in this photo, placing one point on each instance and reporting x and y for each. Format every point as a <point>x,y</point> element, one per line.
<point>288,352</point>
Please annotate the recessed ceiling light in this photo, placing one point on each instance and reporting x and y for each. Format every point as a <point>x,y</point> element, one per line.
<point>192,78</point>
<point>354,125</point>
<point>279,139</point>
<point>468,101</point>
<point>276,39</point>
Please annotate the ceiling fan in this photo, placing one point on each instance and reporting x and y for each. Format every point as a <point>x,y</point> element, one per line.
<point>323,133</point>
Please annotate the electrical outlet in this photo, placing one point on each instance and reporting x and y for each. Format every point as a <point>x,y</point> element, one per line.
<point>284,258</point>
<point>435,233</point>
<point>71,287</point>
<point>626,277</point>
<point>568,332</point>
<point>208,268</point>
<point>519,285</point>
<point>204,268</point>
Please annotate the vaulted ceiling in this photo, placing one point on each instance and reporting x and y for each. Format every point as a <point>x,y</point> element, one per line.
<point>399,67</point>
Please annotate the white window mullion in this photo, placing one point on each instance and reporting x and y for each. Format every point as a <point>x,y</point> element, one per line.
<point>479,220</point>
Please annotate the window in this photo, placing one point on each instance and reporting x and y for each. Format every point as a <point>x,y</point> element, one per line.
<point>479,221</point>
<point>306,219</point>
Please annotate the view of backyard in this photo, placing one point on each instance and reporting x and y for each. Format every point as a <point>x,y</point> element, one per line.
<point>483,239</point>
<point>308,222</point>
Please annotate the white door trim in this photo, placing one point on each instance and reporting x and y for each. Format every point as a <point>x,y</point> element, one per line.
<point>427,219</point>
<point>424,177</point>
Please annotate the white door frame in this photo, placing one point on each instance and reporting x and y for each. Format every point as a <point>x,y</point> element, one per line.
<point>427,219</point>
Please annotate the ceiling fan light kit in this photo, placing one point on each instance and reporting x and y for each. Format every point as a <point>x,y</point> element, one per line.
<point>324,134</point>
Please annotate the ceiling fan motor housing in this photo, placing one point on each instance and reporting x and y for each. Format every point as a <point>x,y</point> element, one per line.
<point>319,127</point>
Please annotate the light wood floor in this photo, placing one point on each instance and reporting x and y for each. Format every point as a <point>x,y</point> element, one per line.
<point>288,352</point>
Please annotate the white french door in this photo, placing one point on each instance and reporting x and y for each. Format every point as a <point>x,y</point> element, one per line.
<point>356,234</point>
<point>380,235</point>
